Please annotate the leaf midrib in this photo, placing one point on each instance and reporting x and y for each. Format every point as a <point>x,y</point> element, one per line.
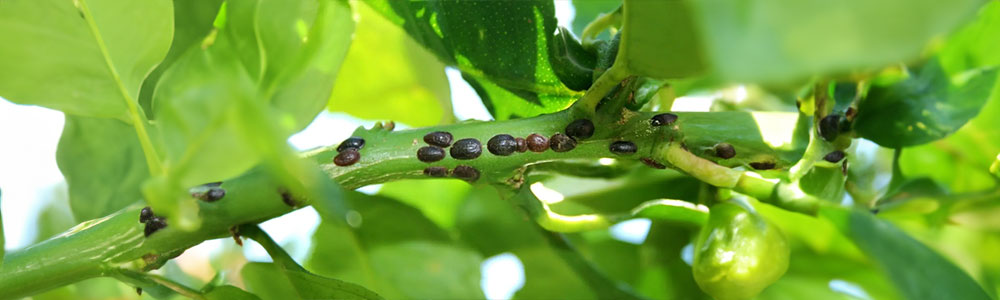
<point>152,159</point>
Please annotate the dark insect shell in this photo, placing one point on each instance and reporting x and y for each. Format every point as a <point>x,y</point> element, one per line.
<point>663,119</point>
<point>347,157</point>
<point>835,156</point>
<point>430,154</point>
<point>652,163</point>
<point>287,198</point>
<point>561,143</point>
<point>522,145</point>
<point>623,147</point>
<point>438,138</point>
<point>145,214</point>
<point>580,129</point>
<point>436,171</point>
<point>537,142</point>
<point>154,224</point>
<point>724,150</point>
<point>466,173</point>
<point>353,142</point>
<point>466,149</point>
<point>502,145</point>
<point>762,165</point>
<point>214,194</point>
<point>829,127</point>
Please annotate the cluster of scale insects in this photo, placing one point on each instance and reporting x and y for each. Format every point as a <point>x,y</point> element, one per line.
<point>500,145</point>
<point>441,144</point>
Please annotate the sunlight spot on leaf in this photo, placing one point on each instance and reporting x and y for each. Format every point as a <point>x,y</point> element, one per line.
<point>545,194</point>
<point>631,231</point>
<point>694,102</point>
<point>776,129</point>
<point>605,161</point>
<point>848,288</point>
<point>502,276</point>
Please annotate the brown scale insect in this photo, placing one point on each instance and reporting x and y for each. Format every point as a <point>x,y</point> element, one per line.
<point>522,145</point>
<point>537,142</point>
<point>466,173</point>
<point>724,150</point>
<point>436,171</point>
<point>652,163</point>
<point>561,143</point>
<point>762,165</point>
<point>347,157</point>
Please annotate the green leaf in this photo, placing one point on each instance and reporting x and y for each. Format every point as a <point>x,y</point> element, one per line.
<point>394,250</point>
<point>271,281</point>
<point>505,42</point>
<point>94,152</point>
<point>587,11</point>
<point>925,107</point>
<point>226,292</point>
<point>203,100</point>
<point>92,55</point>
<point>974,46</point>
<point>389,76</point>
<point>196,23</point>
<point>2,248</point>
<point>486,222</point>
<point>438,199</point>
<point>909,263</point>
<point>795,40</point>
<point>659,40</point>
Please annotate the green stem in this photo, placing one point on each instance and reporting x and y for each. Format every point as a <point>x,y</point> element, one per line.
<point>601,87</point>
<point>137,119</point>
<point>598,25</point>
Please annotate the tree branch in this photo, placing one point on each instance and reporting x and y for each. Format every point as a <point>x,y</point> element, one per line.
<point>97,247</point>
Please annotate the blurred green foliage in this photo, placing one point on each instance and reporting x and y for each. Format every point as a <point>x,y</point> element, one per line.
<point>224,83</point>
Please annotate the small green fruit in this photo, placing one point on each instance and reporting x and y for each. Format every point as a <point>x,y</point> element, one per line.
<point>738,253</point>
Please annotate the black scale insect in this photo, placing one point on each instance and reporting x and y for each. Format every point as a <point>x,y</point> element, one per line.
<point>353,142</point>
<point>438,138</point>
<point>213,194</point>
<point>623,148</point>
<point>580,129</point>
<point>349,151</point>
<point>664,119</point>
<point>835,156</point>
<point>466,149</point>
<point>502,145</point>
<point>152,221</point>
<point>430,154</point>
